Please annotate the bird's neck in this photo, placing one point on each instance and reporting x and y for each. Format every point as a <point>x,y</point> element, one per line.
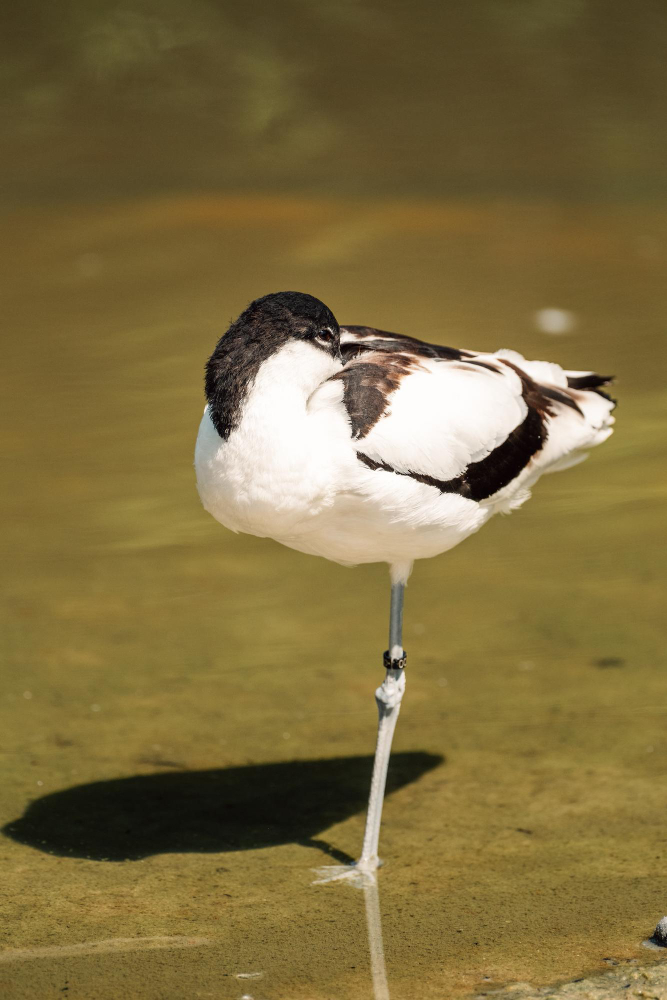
<point>265,392</point>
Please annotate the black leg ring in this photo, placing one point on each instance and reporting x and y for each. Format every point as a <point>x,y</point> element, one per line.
<point>398,664</point>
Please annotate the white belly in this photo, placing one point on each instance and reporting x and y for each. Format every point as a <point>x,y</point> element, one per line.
<point>290,471</point>
<point>248,486</point>
<point>323,502</point>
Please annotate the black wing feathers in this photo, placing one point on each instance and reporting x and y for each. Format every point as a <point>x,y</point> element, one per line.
<point>368,387</point>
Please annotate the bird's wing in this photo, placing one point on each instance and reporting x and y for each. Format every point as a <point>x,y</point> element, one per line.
<point>460,421</point>
<point>356,340</point>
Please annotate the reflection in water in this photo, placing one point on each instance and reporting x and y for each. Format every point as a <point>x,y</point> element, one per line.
<point>367,882</point>
<point>375,942</point>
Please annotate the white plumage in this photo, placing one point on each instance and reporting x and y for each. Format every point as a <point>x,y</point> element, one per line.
<point>366,446</point>
<point>290,470</point>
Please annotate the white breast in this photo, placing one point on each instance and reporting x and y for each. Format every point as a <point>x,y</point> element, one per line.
<point>290,469</point>
<point>280,467</point>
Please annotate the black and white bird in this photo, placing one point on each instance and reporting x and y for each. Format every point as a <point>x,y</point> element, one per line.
<point>365,446</point>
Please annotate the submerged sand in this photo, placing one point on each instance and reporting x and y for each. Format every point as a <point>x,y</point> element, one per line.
<point>188,716</point>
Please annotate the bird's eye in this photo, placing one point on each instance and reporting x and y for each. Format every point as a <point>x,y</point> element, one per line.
<point>325,335</point>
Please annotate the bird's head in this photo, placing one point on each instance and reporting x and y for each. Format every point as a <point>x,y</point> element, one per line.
<point>295,326</point>
<point>283,316</point>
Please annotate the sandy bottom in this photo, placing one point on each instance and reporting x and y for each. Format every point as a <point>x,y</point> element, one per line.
<point>187,715</point>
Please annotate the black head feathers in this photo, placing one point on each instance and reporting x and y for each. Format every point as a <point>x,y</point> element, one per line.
<point>294,312</point>
<point>266,325</point>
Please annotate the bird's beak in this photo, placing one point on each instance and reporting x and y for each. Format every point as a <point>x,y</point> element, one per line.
<point>336,352</point>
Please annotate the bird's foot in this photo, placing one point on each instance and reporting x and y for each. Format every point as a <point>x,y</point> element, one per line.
<point>360,874</point>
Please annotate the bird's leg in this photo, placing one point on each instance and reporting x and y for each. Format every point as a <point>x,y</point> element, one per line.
<point>388,698</point>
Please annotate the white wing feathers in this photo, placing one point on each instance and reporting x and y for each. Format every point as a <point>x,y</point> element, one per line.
<point>480,425</point>
<point>443,416</point>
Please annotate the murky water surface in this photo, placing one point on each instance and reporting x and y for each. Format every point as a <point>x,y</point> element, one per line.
<point>187,714</point>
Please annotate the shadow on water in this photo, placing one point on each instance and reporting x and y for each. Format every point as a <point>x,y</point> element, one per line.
<point>227,809</point>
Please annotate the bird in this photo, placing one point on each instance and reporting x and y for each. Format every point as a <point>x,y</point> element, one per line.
<point>361,445</point>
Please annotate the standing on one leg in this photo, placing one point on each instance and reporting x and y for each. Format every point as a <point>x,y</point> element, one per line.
<point>362,446</point>
<point>388,698</point>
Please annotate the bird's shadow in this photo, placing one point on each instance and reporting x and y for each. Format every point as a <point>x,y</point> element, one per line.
<point>229,809</point>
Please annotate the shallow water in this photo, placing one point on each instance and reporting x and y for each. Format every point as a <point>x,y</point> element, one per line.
<point>524,839</point>
<point>186,715</point>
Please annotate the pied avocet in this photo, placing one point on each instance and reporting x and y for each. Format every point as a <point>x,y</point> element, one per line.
<point>366,446</point>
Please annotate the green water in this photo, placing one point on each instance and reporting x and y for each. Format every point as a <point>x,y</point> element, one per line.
<point>144,639</point>
<point>229,680</point>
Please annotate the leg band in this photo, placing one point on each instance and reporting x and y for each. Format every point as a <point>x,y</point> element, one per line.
<point>398,664</point>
